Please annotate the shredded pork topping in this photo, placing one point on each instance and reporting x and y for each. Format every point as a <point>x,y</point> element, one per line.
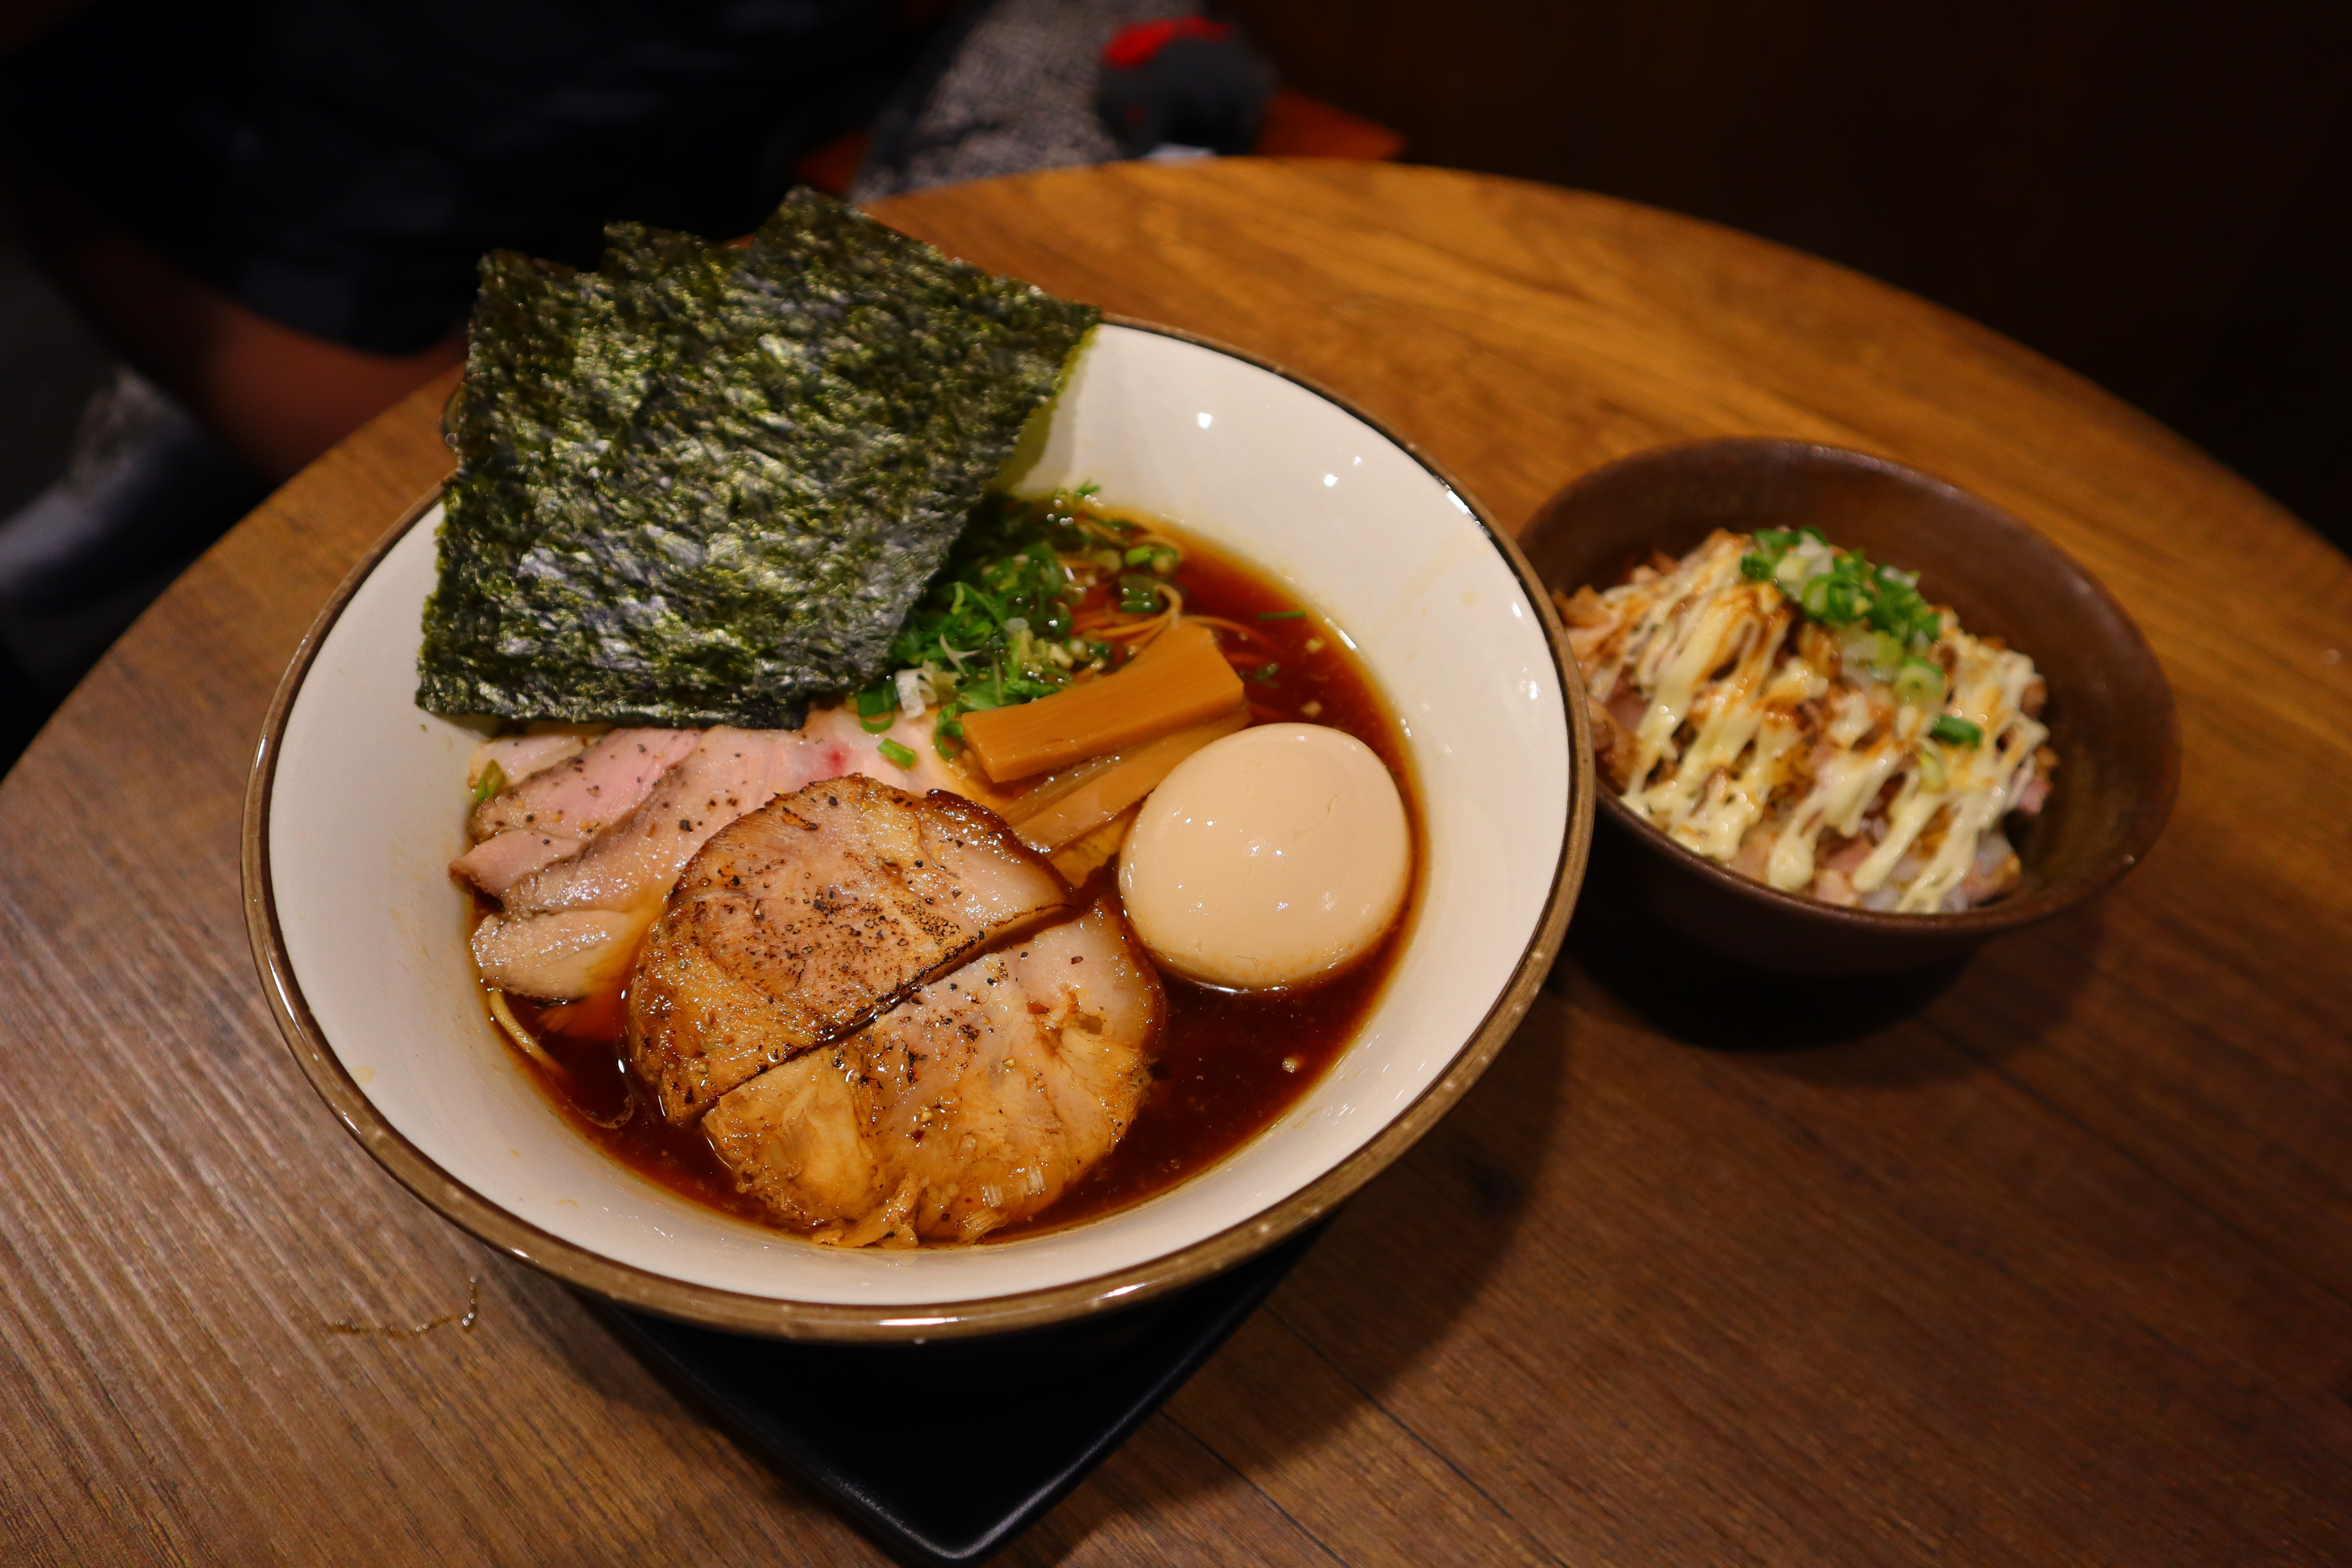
<point>1768,741</point>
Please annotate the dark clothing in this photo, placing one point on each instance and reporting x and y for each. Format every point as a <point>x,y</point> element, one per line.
<point>341,165</point>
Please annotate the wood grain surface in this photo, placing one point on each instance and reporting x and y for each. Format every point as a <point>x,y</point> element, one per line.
<point>2049,1260</point>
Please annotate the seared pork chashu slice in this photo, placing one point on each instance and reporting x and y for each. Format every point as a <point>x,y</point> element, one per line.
<point>972,1104</point>
<point>799,922</point>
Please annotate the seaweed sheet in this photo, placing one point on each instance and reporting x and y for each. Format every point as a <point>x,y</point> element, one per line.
<point>705,483</point>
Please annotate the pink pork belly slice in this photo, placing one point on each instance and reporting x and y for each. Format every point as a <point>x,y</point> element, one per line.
<point>555,813</point>
<point>557,958</point>
<point>520,756</point>
<point>572,927</point>
<point>593,790</point>
<point>548,877</point>
<point>634,866</point>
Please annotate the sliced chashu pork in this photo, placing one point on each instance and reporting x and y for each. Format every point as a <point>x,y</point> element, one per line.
<point>516,757</point>
<point>801,920</point>
<point>634,866</point>
<point>553,814</point>
<point>628,865</point>
<point>558,958</point>
<point>972,1105</point>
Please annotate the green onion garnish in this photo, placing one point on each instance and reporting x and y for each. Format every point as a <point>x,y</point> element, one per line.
<point>492,783</point>
<point>878,709</point>
<point>1266,673</point>
<point>1137,595</point>
<point>1851,589</point>
<point>1920,682</point>
<point>1279,614</point>
<point>895,753</point>
<point>1139,555</point>
<point>1957,731</point>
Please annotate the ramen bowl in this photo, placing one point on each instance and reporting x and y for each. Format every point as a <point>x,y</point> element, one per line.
<point>2110,711</point>
<point>356,807</point>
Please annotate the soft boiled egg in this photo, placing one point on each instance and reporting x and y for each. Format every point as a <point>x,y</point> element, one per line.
<point>1273,856</point>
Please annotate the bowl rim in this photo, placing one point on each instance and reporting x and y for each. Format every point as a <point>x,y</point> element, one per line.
<point>743,1312</point>
<point>1986,921</point>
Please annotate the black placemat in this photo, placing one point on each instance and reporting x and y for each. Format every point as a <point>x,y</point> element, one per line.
<point>946,1451</point>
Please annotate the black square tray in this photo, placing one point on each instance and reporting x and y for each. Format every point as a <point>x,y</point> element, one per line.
<point>848,1417</point>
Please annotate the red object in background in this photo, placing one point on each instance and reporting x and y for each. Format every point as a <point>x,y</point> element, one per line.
<point>1135,47</point>
<point>831,167</point>
<point>1297,126</point>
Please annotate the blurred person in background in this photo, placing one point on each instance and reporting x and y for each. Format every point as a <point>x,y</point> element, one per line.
<point>271,210</point>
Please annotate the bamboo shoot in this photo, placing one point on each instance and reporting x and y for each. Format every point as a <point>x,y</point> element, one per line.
<point>1180,680</point>
<point>1089,853</point>
<point>1061,810</point>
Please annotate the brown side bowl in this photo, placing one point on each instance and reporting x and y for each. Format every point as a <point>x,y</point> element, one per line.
<point>2110,712</point>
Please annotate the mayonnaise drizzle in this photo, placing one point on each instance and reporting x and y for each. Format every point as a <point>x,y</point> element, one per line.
<point>1742,699</point>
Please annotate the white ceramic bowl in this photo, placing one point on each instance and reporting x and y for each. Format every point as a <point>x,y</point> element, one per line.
<point>354,815</point>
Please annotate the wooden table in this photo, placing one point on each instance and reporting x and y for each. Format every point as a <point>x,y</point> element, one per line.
<point>2055,1265</point>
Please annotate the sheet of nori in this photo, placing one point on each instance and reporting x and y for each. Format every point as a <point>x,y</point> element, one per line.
<point>705,483</point>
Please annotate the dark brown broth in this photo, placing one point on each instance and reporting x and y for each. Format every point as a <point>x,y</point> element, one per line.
<point>1227,1065</point>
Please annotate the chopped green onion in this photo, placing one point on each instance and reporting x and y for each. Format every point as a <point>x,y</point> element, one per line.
<point>1266,674</point>
<point>878,708</point>
<point>492,783</point>
<point>1920,682</point>
<point>1932,772</point>
<point>1850,589</point>
<point>1088,488</point>
<point>1957,731</point>
<point>1140,554</point>
<point>1279,614</point>
<point>1166,562</point>
<point>1137,595</point>
<point>995,626</point>
<point>1863,648</point>
<point>895,753</point>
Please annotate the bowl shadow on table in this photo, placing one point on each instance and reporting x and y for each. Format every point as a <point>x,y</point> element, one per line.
<point>1850,1029</point>
<point>1391,1271</point>
<point>1252,1396</point>
<point>1378,1293</point>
